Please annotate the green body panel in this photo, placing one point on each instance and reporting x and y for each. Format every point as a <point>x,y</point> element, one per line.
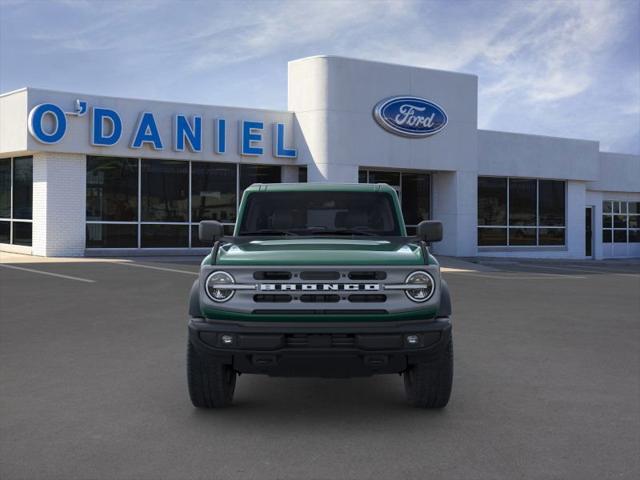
<point>303,250</point>
<point>320,251</point>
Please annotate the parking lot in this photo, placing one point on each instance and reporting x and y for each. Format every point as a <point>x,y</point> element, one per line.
<point>93,384</point>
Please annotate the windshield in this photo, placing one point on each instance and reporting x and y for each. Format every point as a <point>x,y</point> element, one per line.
<point>319,213</point>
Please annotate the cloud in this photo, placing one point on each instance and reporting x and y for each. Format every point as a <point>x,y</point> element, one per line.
<point>541,64</point>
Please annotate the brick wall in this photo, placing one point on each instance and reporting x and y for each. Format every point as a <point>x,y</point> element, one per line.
<point>59,198</point>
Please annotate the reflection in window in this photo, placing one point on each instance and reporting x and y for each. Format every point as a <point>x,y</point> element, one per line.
<point>213,192</point>
<point>112,189</point>
<point>302,174</point>
<point>5,188</point>
<point>416,197</point>
<point>22,187</point>
<point>110,235</point>
<point>551,203</point>
<point>250,174</point>
<point>164,236</point>
<point>620,221</point>
<point>16,200</point>
<point>492,201</point>
<point>165,188</point>
<point>533,206</point>
<point>522,202</point>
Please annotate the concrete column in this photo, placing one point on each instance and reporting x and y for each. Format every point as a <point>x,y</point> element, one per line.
<point>455,205</point>
<point>59,204</point>
<point>289,174</point>
<point>575,221</point>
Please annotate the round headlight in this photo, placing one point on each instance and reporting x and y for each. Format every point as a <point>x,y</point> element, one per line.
<point>425,286</point>
<point>215,286</point>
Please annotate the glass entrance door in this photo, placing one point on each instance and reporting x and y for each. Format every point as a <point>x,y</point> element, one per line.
<point>414,191</point>
<point>588,233</point>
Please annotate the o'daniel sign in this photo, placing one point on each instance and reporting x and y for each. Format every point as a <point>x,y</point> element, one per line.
<point>408,116</point>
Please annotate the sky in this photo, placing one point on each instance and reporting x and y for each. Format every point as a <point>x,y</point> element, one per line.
<point>568,68</point>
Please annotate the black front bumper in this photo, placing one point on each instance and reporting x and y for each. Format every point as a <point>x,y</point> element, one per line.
<point>320,349</point>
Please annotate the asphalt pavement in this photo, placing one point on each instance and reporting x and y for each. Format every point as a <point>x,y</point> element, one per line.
<point>93,383</point>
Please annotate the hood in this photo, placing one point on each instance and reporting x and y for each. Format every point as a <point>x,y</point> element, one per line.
<point>321,251</point>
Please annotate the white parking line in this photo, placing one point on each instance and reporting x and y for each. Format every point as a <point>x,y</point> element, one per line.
<point>151,267</point>
<point>58,275</point>
<point>533,276</point>
<point>579,268</point>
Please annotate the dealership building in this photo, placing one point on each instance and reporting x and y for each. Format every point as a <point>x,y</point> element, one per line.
<point>94,175</point>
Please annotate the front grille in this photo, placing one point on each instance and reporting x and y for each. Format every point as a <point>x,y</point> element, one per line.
<point>271,298</point>
<point>320,341</point>
<point>320,275</point>
<point>319,298</point>
<point>275,275</point>
<point>373,275</point>
<point>360,298</point>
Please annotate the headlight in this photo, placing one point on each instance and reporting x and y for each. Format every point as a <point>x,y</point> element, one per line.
<point>425,286</point>
<point>215,286</point>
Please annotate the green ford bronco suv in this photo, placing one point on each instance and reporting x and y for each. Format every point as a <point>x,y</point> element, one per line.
<point>320,280</point>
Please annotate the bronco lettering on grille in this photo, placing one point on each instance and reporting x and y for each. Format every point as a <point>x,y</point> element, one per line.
<point>312,287</point>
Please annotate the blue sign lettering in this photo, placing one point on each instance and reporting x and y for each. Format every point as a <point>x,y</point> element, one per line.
<point>37,115</point>
<point>279,149</point>
<point>249,136</point>
<point>147,132</point>
<point>410,116</point>
<point>221,136</point>
<point>184,131</point>
<point>98,119</point>
<point>48,123</point>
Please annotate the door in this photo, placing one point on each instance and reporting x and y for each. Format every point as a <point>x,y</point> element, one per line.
<point>588,232</point>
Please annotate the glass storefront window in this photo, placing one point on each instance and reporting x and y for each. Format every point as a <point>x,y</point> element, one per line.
<point>492,201</point>
<point>144,203</point>
<point>532,205</point>
<point>5,231</point>
<point>522,202</point>
<point>414,193</point>
<point>620,221</point>
<point>112,189</point>
<point>415,197</point>
<point>213,192</point>
<point>250,174</point>
<point>164,236</point>
<point>112,235</point>
<point>489,237</point>
<point>5,188</point>
<point>16,200</point>
<point>164,191</point>
<point>551,200</point>
<point>23,187</point>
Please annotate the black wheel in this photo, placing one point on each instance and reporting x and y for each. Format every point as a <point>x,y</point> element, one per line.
<point>211,383</point>
<point>428,385</point>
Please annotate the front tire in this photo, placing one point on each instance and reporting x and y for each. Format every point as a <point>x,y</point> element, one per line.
<point>211,383</point>
<point>428,385</point>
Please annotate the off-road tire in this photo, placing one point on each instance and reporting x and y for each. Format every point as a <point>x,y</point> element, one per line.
<point>211,383</point>
<point>428,385</point>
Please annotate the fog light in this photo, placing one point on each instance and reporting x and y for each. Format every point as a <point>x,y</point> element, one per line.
<point>227,339</point>
<point>413,339</point>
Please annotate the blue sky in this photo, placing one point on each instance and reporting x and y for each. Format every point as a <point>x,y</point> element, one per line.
<point>564,68</point>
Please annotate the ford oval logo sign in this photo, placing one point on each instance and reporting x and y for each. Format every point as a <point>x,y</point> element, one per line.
<point>410,116</point>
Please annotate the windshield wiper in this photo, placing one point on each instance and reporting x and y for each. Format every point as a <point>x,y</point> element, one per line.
<point>268,231</point>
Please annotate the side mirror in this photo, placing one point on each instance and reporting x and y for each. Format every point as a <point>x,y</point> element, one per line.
<point>429,231</point>
<point>209,231</point>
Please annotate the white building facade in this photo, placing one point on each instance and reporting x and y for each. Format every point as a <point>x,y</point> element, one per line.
<point>93,175</point>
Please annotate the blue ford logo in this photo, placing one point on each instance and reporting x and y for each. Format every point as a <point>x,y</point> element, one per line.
<point>410,116</point>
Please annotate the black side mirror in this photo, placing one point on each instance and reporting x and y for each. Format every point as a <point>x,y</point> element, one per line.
<point>209,231</point>
<point>429,231</point>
